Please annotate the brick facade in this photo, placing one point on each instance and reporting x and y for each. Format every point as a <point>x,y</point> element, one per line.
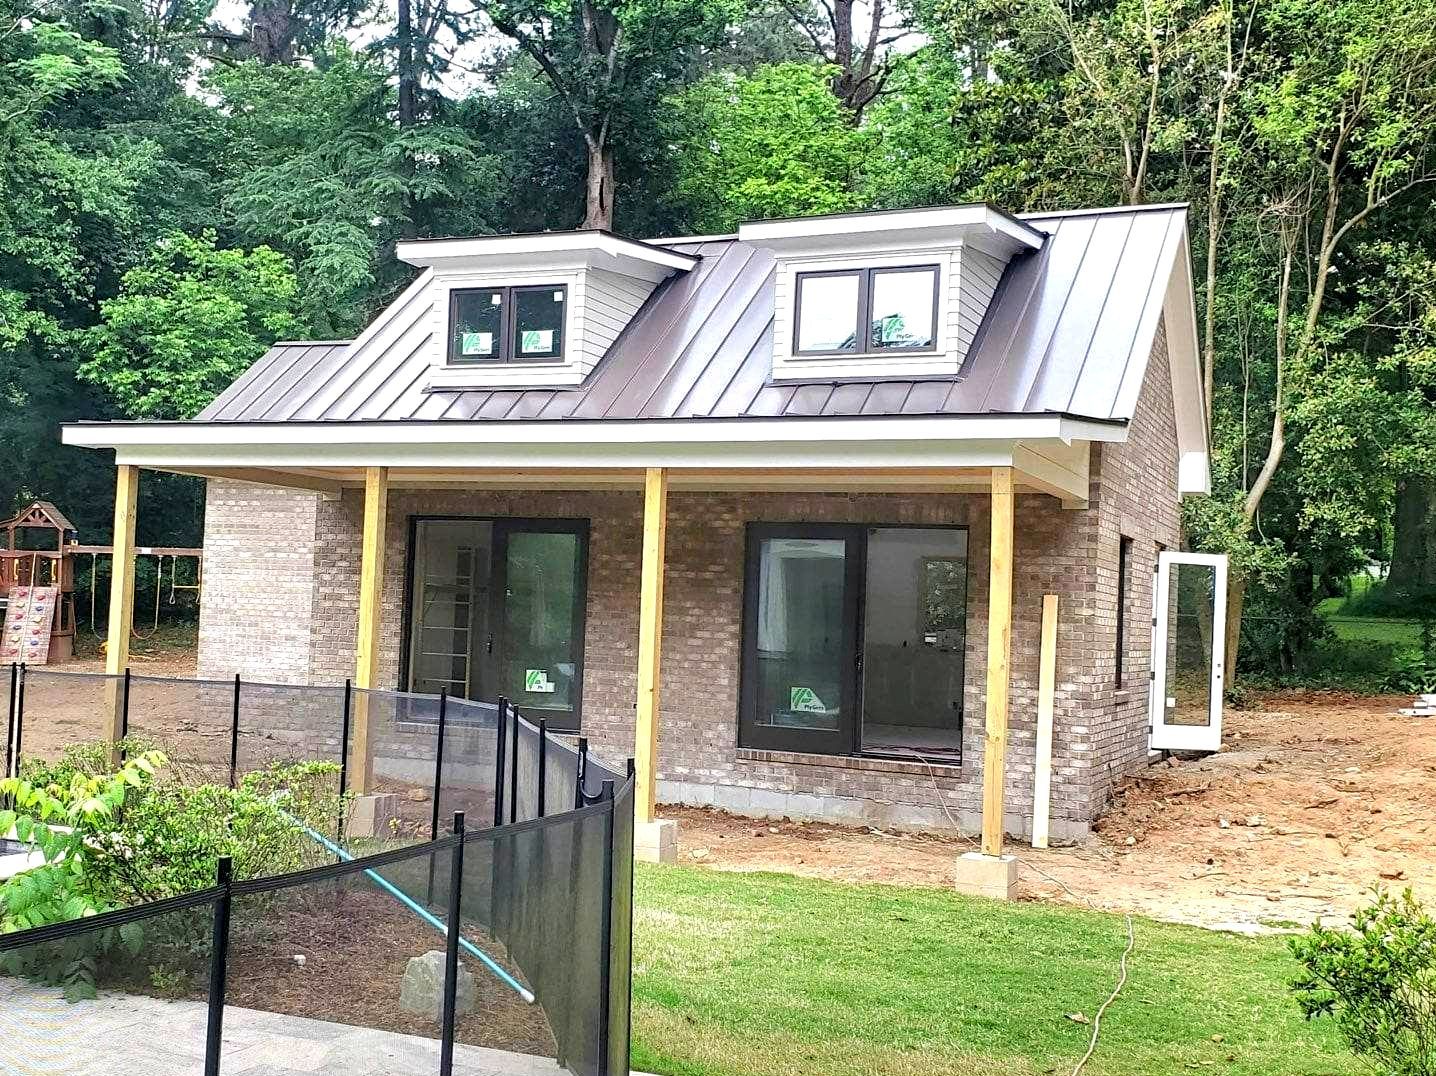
<point>282,575</point>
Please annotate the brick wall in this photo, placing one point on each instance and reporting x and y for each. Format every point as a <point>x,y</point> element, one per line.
<point>259,553</point>
<point>1100,730</point>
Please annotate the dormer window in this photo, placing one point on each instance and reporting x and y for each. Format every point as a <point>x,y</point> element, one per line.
<point>867,311</point>
<point>507,324</point>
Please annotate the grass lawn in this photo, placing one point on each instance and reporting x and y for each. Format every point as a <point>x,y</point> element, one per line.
<point>772,975</point>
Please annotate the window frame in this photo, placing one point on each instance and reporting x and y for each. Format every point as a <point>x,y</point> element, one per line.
<point>508,321</point>
<point>1125,548</point>
<point>749,735</point>
<point>862,329</point>
<point>503,528</point>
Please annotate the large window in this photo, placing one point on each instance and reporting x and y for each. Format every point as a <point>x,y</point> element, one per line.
<point>865,311</point>
<point>507,324</point>
<point>854,639</point>
<point>1124,592</point>
<point>496,607</point>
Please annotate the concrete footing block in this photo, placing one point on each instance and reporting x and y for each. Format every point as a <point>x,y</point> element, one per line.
<point>656,842</point>
<point>373,815</point>
<point>987,876</point>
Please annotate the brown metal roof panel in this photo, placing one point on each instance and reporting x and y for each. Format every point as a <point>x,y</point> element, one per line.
<point>770,401</point>
<point>314,364</point>
<point>887,398</point>
<point>253,386</point>
<point>740,394</point>
<point>926,398</point>
<point>988,354</point>
<point>809,399</point>
<point>848,400</point>
<point>433,405</point>
<point>679,317</point>
<point>530,404</point>
<point>748,346</point>
<point>739,313</point>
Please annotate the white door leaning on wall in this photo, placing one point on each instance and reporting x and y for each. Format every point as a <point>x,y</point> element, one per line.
<point>1189,612</point>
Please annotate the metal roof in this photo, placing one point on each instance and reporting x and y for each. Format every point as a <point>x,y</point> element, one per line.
<point>1068,331</point>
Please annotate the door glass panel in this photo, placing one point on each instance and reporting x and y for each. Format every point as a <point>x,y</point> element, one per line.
<point>541,610</point>
<point>801,650</point>
<point>1191,622</point>
<point>450,605</point>
<point>915,621</point>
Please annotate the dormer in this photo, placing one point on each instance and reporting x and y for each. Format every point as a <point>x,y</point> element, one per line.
<point>530,311</point>
<point>886,294</point>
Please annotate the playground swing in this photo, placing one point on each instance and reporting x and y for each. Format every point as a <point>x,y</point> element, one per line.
<point>175,587</point>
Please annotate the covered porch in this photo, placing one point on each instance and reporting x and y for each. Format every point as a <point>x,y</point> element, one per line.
<point>672,673</point>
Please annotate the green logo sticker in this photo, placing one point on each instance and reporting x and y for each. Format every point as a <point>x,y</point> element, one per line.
<point>804,700</point>
<point>537,681</point>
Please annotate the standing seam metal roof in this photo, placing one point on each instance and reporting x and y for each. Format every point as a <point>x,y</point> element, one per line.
<point>1070,325</point>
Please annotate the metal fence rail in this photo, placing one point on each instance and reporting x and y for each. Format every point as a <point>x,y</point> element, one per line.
<point>529,891</point>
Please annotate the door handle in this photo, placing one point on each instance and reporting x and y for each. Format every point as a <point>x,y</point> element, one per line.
<point>489,645</point>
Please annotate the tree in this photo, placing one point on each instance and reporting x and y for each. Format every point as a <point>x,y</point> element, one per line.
<point>610,63</point>
<point>187,323</point>
<point>775,143</point>
<point>858,56</point>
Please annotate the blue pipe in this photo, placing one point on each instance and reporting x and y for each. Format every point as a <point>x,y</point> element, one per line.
<point>424,914</point>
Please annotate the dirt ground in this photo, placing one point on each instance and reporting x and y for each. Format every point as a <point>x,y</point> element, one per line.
<point>1315,799</point>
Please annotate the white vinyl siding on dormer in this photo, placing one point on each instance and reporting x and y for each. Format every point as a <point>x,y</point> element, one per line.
<point>943,359</point>
<point>981,273</point>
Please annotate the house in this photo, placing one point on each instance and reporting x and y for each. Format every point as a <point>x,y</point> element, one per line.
<point>787,503</point>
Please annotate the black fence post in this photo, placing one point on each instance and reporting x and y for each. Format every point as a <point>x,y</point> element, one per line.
<point>451,949</point>
<point>499,731</point>
<point>20,717</point>
<point>438,785</point>
<point>514,767</point>
<point>343,761</point>
<point>10,721</point>
<point>218,961</point>
<point>439,766</point>
<point>542,754</point>
<point>125,712</point>
<point>234,734</point>
<point>578,796</point>
<point>605,935</point>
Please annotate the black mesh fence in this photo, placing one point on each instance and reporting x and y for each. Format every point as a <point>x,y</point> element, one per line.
<point>350,962</point>
<point>55,709</point>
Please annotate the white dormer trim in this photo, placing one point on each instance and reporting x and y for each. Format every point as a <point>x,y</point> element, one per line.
<point>979,225</point>
<point>607,279</point>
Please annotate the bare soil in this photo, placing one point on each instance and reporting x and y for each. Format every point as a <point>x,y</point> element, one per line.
<point>1316,798</point>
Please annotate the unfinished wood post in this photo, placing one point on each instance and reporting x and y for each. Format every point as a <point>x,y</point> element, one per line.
<point>366,649</point>
<point>650,643</point>
<point>122,596</point>
<point>1046,698</point>
<point>999,660</point>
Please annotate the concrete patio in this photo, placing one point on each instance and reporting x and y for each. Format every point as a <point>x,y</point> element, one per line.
<point>42,1034</point>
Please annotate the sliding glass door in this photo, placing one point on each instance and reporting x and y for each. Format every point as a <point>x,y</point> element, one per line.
<point>496,607</point>
<point>854,639</point>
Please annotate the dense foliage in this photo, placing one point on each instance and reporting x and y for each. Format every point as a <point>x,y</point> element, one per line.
<point>181,185</point>
<point>1378,982</point>
<point>115,837</point>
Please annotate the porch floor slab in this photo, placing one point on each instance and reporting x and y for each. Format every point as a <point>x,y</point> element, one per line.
<point>43,1034</point>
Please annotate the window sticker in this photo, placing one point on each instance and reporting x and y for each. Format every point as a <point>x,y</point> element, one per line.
<point>496,299</point>
<point>533,340</point>
<point>558,296</point>
<point>537,682</point>
<point>804,700</point>
<point>477,344</point>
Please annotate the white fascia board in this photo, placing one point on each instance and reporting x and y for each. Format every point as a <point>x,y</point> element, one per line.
<point>902,222</point>
<point>1194,474</point>
<point>596,435</point>
<point>498,248</point>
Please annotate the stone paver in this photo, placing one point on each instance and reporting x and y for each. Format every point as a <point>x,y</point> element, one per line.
<point>42,1034</point>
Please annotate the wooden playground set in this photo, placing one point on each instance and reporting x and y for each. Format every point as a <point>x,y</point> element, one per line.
<point>37,584</point>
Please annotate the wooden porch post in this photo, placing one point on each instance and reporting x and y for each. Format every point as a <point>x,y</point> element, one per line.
<point>366,650</point>
<point>999,659</point>
<point>650,643</point>
<point>122,594</point>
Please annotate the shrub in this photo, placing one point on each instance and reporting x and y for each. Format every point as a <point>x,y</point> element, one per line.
<point>1377,981</point>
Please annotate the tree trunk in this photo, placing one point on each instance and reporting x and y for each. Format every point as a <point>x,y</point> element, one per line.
<point>271,30</point>
<point>598,202</point>
<point>1413,551</point>
<point>408,87</point>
